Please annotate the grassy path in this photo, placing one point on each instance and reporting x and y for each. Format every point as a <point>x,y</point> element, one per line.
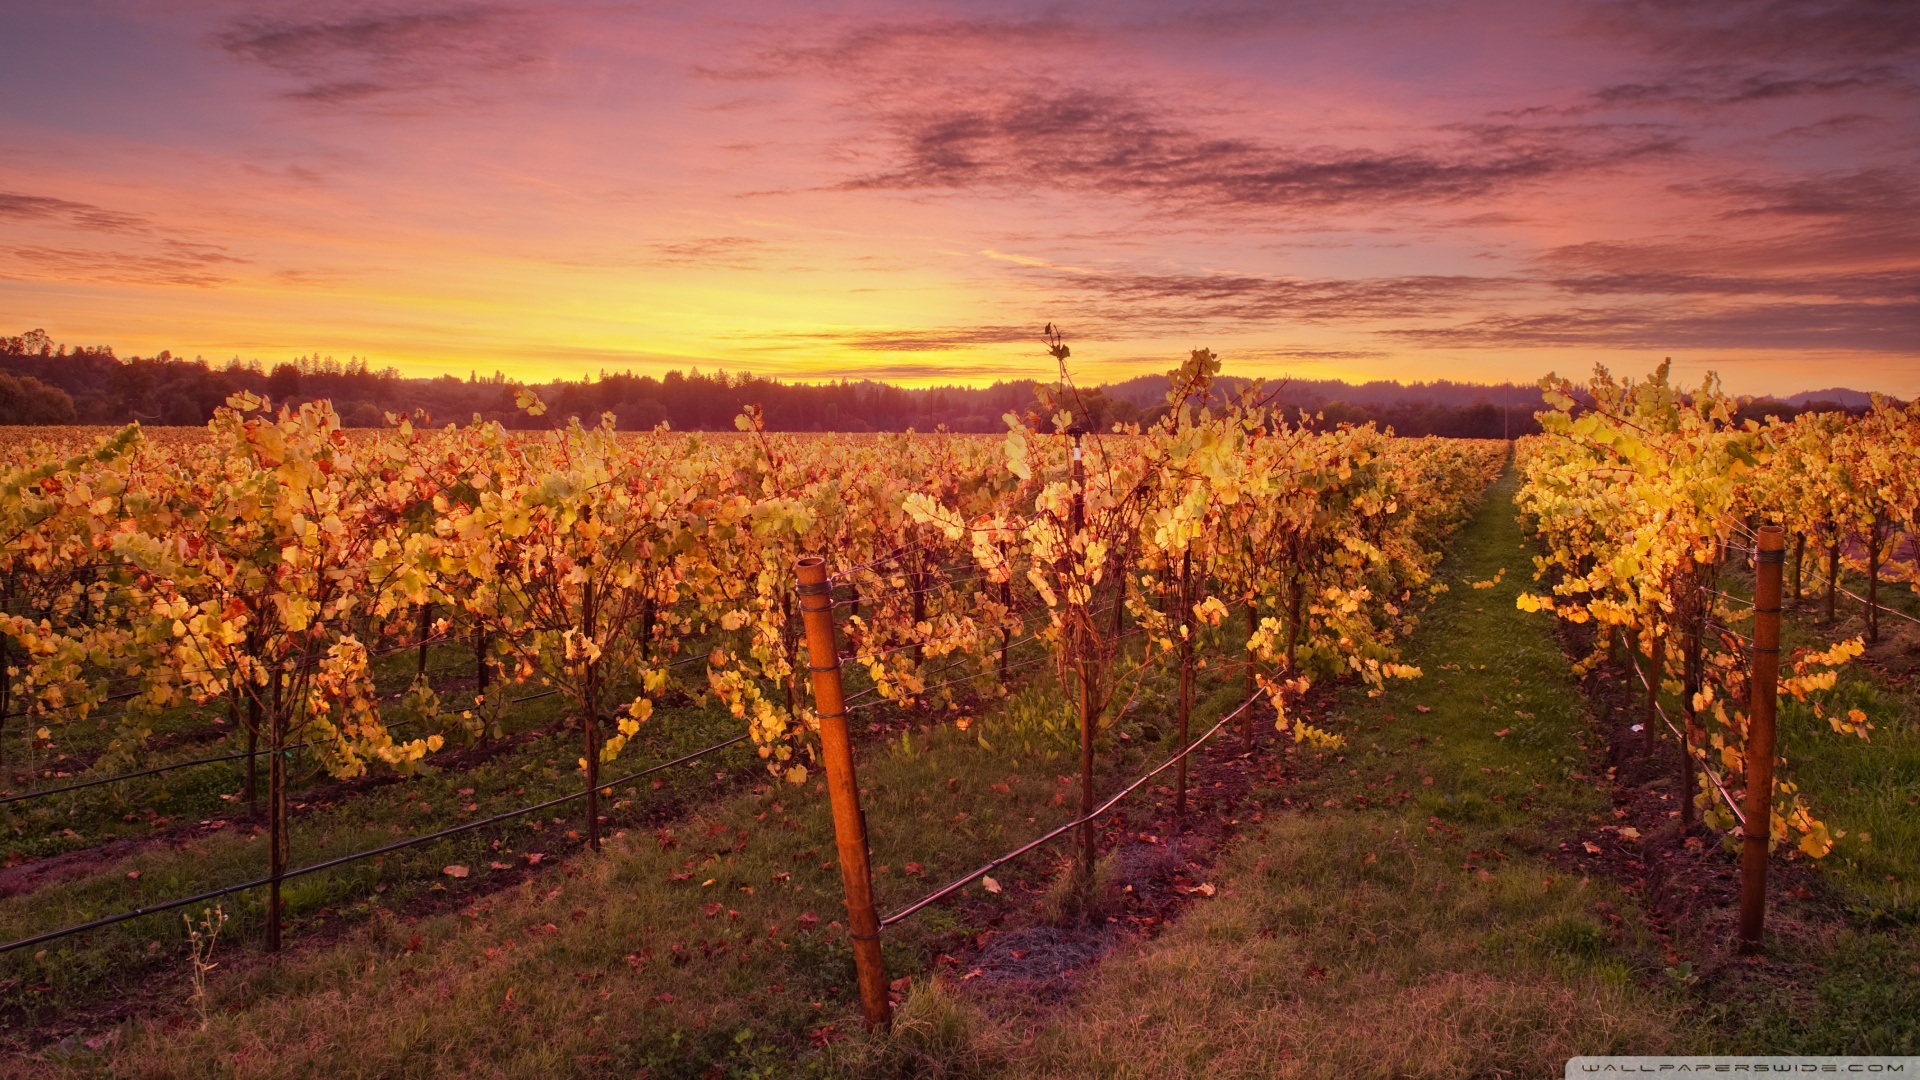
<point>1449,935</point>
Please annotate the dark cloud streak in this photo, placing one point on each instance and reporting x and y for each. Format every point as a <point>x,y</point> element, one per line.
<point>1114,143</point>
<point>353,59</point>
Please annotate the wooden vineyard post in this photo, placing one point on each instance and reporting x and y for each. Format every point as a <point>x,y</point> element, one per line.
<point>6,681</point>
<point>1084,664</point>
<point>481,671</point>
<point>1006,632</point>
<point>1799,561</point>
<point>1186,679</point>
<point>426,629</point>
<point>1253,627</point>
<point>590,719</point>
<point>1690,686</point>
<point>1833,571</point>
<point>276,809</point>
<point>1656,664</point>
<point>1755,834</point>
<point>843,791</point>
<point>1872,602</point>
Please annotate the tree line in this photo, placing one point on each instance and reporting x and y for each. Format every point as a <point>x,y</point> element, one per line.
<point>44,382</point>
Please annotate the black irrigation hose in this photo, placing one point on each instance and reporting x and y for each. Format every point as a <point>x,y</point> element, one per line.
<point>961,882</point>
<point>326,864</point>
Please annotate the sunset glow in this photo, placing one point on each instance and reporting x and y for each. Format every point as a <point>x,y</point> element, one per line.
<point>1478,191</point>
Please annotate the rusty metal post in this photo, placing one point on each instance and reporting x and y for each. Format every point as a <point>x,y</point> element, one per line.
<point>849,824</point>
<point>1755,834</point>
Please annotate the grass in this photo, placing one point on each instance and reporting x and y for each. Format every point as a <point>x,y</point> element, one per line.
<point>714,941</point>
<point>115,962</point>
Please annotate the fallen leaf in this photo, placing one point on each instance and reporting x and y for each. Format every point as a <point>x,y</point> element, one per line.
<point>913,868</point>
<point>1503,733</point>
<point>1592,848</point>
<point>499,866</point>
<point>455,871</point>
<point>990,885</point>
<point>1204,889</point>
<point>1628,832</point>
<point>534,857</point>
<point>1421,708</point>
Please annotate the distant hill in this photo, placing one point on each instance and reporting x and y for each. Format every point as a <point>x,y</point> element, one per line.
<point>1149,390</point>
<point>1846,399</point>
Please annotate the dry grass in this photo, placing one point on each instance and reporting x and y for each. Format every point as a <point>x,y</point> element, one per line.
<point>1318,962</point>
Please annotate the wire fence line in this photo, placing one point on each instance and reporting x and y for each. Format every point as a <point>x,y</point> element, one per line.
<point>212,894</point>
<point>1880,606</point>
<point>1705,766</point>
<point>327,864</point>
<point>1053,834</point>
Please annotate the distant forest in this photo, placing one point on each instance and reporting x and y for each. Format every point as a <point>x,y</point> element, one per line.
<point>42,382</point>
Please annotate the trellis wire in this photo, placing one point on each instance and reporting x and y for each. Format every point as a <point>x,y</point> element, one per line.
<point>326,864</point>
<point>961,882</point>
<point>1705,766</point>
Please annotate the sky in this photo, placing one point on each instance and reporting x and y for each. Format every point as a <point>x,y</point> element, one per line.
<point>1355,189</point>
